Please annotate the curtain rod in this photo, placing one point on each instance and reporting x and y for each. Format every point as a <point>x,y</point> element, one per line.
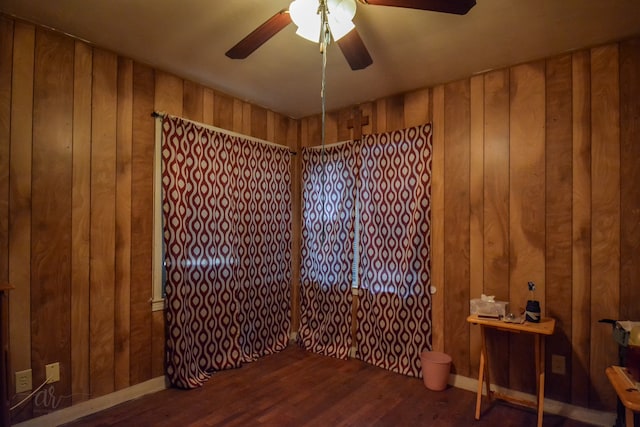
<point>158,114</point>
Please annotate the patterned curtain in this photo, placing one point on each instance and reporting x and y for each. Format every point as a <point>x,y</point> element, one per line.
<point>394,313</point>
<point>328,213</point>
<point>226,219</point>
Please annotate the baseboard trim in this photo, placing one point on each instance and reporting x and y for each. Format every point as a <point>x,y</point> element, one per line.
<point>89,407</point>
<point>578,413</point>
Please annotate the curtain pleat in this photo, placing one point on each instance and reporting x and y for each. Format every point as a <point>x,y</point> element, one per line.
<point>394,310</point>
<point>328,213</point>
<point>223,197</point>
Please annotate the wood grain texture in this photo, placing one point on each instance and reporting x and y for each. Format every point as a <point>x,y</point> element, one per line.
<point>19,215</point>
<point>207,106</point>
<point>605,220</point>
<point>343,132</point>
<point>296,388</point>
<point>237,113</point>
<point>496,210</point>
<point>168,94</point>
<point>416,108</point>
<point>51,210</point>
<point>258,118</point>
<point>394,107</point>
<point>124,134</point>
<point>630,177</point>
<point>438,221</point>
<point>246,119</point>
<point>526,204</point>
<point>192,101</point>
<point>581,229</point>
<point>368,110</point>
<point>456,222</point>
<point>104,106</point>
<point>380,113</point>
<point>141,223</point>
<point>222,111</point>
<point>476,209</point>
<point>6,57</point>
<point>80,222</point>
<point>559,174</point>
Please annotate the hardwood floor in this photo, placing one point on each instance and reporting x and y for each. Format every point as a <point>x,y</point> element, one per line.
<point>297,388</point>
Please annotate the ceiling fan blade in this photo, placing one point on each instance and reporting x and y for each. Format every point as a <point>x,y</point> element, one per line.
<point>257,37</point>
<point>459,7</point>
<point>355,51</point>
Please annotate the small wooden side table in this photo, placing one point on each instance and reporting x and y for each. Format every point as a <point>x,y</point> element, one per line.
<point>539,331</point>
<point>626,391</point>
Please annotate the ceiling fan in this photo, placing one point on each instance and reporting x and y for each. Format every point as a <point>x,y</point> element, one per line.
<point>350,43</point>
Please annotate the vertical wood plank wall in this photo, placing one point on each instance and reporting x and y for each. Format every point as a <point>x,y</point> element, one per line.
<point>76,205</point>
<point>535,173</point>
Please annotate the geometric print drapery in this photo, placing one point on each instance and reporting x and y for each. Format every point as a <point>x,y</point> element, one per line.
<point>328,214</point>
<point>392,172</point>
<point>227,238</point>
<point>394,188</point>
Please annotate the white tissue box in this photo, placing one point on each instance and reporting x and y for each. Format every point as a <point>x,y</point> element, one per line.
<point>495,309</point>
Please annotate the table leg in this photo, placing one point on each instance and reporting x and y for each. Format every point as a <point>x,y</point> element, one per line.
<point>483,375</point>
<point>480,383</point>
<point>539,345</point>
<point>628,415</point>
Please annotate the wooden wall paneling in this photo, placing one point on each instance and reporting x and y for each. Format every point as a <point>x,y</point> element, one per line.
<point>395,113</point>
<point>314,131</point>
<point>141,223</point>
<point>343,132</point>
<point>559,175</point>
<point>18,166</point>
<point>438,222</point>
<point>6,57</point>
<point>207,106</point>
<point>581,229</point>
<point>630,176</point>
<point>237,124</point>
<point>330,128</point>
<point>605,210</point>
<point>222,111</point>
<point>526,206</point>
<point>184,99</point>
<point>456,222</point>
<point>271,126</point>
<point>103,221</point>
<point>476,210</point>
<point>81,221</point>
<point>192,101</point>
<point>258,123</point>
<point>380,124</point>
<point>246,118</point>
<point>124,135</point>
<point>51,211</point>
<point>416,108</point>
<point>496,210</point>
<point>368,110</point>
<point>169,95</point>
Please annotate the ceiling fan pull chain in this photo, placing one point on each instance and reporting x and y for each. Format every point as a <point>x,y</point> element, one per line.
<point>324,41</point>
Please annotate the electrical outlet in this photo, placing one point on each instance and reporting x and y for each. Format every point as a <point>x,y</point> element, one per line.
<point>52,372</point>
<point>558,364</point>
<point>23,381</point>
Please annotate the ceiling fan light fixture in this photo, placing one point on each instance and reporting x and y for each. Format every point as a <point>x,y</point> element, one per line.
<point>305,14</point>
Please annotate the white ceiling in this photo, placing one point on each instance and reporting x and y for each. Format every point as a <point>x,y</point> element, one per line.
<point>410,48</point>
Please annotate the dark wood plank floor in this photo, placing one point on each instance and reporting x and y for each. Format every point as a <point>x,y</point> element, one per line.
<point>297,388</point>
